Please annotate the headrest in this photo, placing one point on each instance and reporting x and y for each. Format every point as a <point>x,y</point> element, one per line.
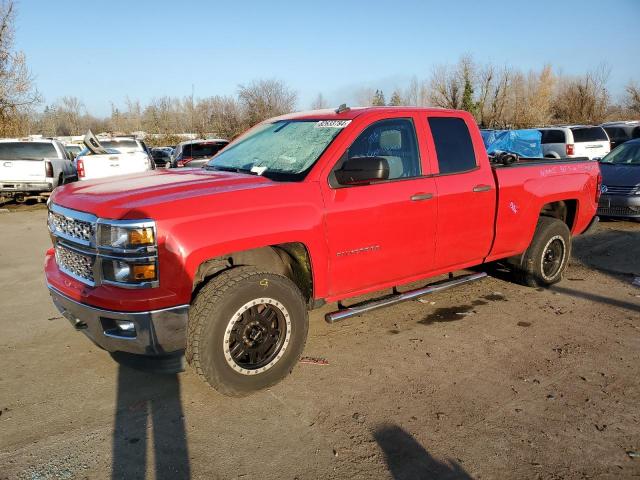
<point>391,140</point>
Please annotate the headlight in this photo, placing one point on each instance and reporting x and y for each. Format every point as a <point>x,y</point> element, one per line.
<point>122,236</point>
<point>129,271</point>
<point>128,253</point>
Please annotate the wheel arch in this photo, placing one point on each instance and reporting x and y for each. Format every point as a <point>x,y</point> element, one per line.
<point>291,259</point>
<point>564,210</point>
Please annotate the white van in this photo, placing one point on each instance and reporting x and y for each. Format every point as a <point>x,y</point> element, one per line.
<point>33,167</point>
<point>575,141</point>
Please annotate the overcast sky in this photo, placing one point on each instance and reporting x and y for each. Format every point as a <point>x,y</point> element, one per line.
<point>103,52</point>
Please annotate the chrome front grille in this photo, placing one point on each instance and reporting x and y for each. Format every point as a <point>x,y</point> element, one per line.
<point>74,229</point>
<point>83,251</point>
<point>74,263</point>
<point>618,190</point>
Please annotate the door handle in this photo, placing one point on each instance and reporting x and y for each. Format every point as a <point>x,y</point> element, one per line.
<point>418,197</point>
<point>482,188</point>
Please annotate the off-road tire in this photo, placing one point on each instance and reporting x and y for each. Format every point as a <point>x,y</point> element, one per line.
<point>550,233</point>
<point>210,317</point>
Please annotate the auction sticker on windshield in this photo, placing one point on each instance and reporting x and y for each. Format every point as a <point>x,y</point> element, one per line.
<point>332,123</point>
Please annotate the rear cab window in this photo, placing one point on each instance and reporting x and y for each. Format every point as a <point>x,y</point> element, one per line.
<point>27,150</point>
<point>589,134</point>
<point>454,147</point>
<point>120,144</point>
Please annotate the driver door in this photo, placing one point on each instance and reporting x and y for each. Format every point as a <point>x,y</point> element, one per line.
<point>383,232</point>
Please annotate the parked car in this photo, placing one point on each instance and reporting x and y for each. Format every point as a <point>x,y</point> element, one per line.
<point>32,168</point>
<point>620,132</point>
<point>124,155</point>
<point>304,209</point>
<point>621,182</point>
<point>575,141</point>
<point>161,157</point>
<point>196,153</point>
<point>73,148</point>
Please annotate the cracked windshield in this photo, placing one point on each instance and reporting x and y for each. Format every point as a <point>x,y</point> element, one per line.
<point>287,148</point>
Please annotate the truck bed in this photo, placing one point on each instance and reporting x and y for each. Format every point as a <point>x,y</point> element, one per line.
<point>523,185</point>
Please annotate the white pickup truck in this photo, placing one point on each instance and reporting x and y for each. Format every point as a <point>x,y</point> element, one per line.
<point>33,168</point>
<point>124,155</point>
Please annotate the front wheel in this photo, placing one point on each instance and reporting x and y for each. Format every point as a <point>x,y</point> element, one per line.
<point>247,330</point>
<point>546,259</point>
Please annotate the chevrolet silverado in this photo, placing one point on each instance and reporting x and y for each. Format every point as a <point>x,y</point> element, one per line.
<point>224,262</point>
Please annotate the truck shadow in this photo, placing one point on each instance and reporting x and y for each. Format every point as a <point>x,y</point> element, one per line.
<point>612,252</point>
<point>149,421</point>
<point>407,459</point>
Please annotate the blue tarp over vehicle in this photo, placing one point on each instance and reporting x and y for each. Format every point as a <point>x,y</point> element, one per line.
<point>525,143</point>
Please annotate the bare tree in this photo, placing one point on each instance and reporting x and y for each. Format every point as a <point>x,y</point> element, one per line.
<point>364,96</point>
<point>319,103</point>
<point>632,98</point>
<point>17,93</point>
<point>262,99</point>
<point>416,93</point>
<point>224,116</point>
<point>583,99</point>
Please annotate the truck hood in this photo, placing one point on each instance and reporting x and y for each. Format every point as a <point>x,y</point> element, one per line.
<point>151,193</point>
<point>620,175</point>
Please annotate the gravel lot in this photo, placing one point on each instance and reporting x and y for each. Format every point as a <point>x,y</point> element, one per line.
<point>492,380</point>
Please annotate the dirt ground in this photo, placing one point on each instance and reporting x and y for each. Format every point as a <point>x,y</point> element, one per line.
<point>491,380</point>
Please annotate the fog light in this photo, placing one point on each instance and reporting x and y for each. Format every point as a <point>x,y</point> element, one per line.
<point>125,326</point>
<point>144,272</point>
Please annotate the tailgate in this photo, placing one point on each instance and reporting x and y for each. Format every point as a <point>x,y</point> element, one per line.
<point>134,163</point>
<point>591,150</point>
<point>22,170</point>
<point>109,165</point>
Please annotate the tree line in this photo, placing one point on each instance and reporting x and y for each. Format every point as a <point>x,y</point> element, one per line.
<point>497,96</point>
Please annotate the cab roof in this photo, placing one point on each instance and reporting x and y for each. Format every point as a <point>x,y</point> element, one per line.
<point>353,112</point>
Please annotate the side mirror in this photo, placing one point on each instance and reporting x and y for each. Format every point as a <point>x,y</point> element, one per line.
<point>362,170</point>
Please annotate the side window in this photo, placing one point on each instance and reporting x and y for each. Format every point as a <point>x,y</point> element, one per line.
<point>395,141</point>
<point>553,136</point>
<point>454,147</point>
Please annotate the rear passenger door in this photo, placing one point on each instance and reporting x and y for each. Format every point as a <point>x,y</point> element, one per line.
<point>466,192</point>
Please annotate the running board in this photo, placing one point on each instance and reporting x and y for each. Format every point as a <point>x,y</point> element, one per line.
<point>364,307</point>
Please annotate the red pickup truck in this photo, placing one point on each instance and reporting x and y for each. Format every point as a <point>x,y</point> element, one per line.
<point>224,262</point>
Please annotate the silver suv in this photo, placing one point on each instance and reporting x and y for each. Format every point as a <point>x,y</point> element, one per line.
<point>575,141</point>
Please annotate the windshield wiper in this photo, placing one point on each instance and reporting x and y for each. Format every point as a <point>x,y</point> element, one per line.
<point>221,168</point>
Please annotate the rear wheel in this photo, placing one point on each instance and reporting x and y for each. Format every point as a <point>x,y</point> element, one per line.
<point>247,330</point>
<point>546,259</point>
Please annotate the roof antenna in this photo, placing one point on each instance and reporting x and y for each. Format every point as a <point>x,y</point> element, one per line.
<point>342,108</point>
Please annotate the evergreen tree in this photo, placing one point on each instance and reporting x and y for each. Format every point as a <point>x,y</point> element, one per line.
<point>467,94</point>
<point>396,99</point>
<point>378,99</point>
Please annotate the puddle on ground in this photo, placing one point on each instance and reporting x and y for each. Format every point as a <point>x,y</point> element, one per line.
<point>446,314</point>
<point>495,297</point>
<point>451,314</point>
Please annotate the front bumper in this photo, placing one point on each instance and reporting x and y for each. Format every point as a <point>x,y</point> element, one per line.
<point>157,332</point>
<point>627,206</point>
